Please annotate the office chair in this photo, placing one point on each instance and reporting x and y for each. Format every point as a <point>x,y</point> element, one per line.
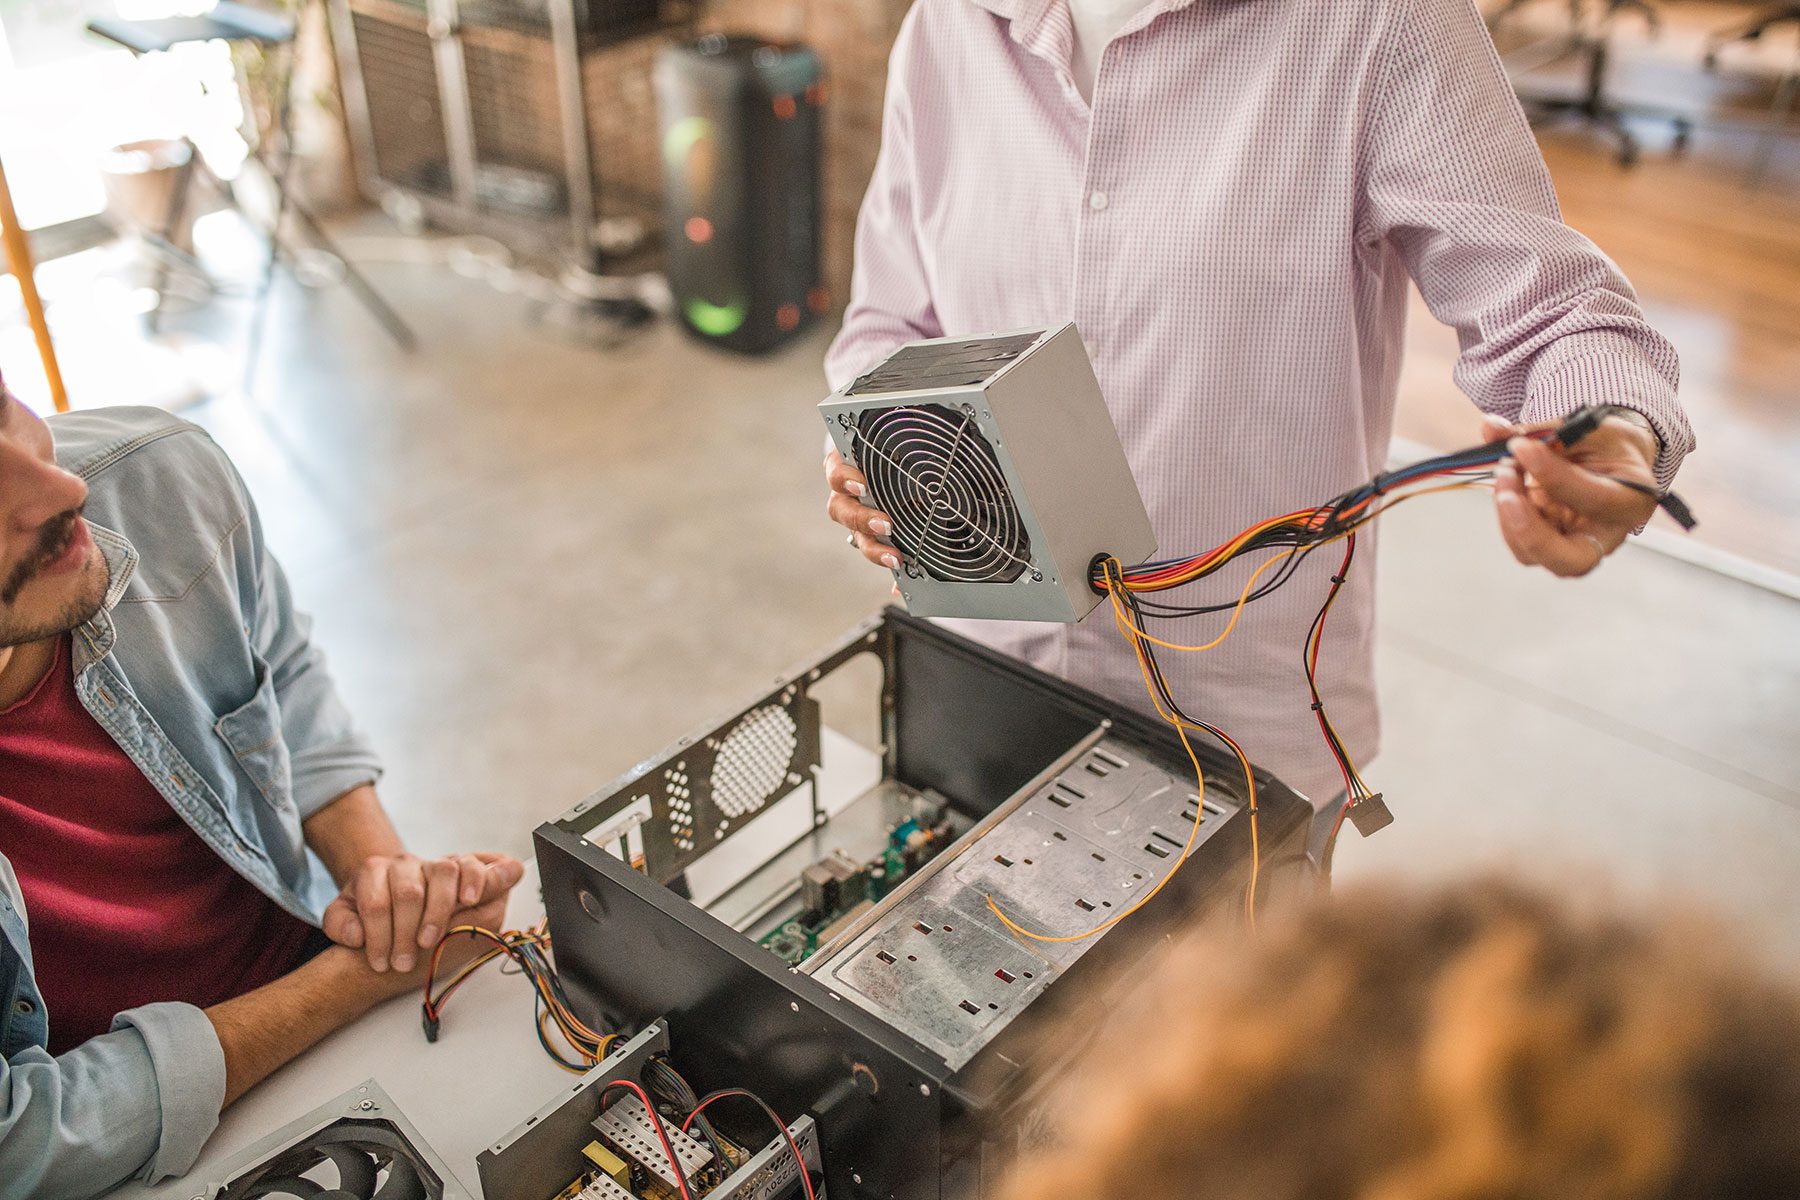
<point>1592,39</point>
<point>233,22</point>
<point>1786,92</point>
<point>1751,30</point>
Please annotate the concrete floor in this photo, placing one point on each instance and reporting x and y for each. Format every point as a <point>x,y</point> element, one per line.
<point>534,562</point>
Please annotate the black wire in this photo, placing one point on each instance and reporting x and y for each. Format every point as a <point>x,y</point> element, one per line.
<point>676,1089</point>
<point>781,1129</point>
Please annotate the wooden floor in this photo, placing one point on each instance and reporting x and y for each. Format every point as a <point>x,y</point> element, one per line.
<point>1716,261</point>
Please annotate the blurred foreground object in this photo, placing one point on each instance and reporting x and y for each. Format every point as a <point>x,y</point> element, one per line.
<point>1476,1041</point>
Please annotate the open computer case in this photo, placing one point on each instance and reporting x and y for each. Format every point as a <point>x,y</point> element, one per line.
<point>800,892</point>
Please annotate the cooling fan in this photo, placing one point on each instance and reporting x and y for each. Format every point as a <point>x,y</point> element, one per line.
<point>357,1147</point>
<point>998,463</point>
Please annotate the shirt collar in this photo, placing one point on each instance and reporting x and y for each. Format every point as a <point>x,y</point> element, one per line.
<point>121,561</point>
<point>96,640</point>
<point>1044,27</point>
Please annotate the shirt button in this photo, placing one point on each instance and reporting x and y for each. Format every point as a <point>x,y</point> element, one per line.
<point>1097,201</point>
<point>23,1007</point>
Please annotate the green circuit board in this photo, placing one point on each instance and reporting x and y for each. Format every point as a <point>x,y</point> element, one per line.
<point>837,889</point>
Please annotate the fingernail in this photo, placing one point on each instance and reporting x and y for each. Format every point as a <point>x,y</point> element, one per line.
<point>403,963</point>
<point>353,929</point>
<point>428,936</point>
<point>380,966</point>
<point>891,562</point>
<point>470,894</point>
<point>880,528</point>
<point>1506,469</point>
<point>853,487</point>
<point>1514,444</point>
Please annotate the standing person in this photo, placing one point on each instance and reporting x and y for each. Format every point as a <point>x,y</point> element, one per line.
<point>1228,198</point>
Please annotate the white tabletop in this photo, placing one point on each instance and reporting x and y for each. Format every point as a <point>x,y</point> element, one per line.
<point>486,1072</point>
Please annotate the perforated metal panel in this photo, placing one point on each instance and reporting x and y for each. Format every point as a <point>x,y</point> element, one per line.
<point>702,791</point>
<point>753,761</point>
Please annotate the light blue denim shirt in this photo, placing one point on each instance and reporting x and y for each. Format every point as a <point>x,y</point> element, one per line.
<point>204,674</point>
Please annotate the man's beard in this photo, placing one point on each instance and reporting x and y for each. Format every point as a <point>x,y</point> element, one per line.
<point>53,541</point>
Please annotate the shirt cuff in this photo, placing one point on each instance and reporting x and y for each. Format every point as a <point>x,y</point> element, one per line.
<point>322,776</point>
<point>1617,374</point>
<point>190,1080</point>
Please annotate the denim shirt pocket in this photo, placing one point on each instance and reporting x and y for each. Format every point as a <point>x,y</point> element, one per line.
<point>253,734</point>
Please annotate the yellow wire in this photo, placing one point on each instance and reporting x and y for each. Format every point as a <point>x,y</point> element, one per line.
<point>1142,900</point>
<point>1127,627</point>
<point>1181,728</point>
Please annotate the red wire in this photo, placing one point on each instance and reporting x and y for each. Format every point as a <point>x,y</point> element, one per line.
<point>805,1175</point>
<point>656,1121</point>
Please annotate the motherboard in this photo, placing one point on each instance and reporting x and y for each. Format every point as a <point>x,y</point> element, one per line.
<point>838,889</point>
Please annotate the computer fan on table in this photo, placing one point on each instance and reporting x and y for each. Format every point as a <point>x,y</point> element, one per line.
<point>356,1147</point>
<point>999,465</point>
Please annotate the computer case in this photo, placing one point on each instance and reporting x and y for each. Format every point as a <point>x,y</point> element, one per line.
<point>915,1033</point>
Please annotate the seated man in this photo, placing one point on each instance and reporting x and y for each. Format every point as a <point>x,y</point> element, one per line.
<point>1481,1041</point>
<point>186,810</point>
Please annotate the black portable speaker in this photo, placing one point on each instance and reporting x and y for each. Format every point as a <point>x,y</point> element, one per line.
<point>740,122</point>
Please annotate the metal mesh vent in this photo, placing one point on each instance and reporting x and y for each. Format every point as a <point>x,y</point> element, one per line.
<point>930,469</point>
<point>753,760</point>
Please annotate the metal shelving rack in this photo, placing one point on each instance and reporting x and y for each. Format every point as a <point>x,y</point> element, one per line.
<point>495,116</point>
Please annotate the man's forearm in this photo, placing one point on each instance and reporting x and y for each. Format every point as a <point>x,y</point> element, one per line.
<point>262,1029</point>
<point>351,829</point>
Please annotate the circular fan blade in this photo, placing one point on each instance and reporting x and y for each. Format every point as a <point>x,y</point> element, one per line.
<point>355,1168</point>
<point>283,1185</point>
<point>402,1182</point>
<point>935,474</point>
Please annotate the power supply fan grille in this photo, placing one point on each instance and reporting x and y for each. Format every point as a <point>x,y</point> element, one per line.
<point>752,761</point>
<point>931,470</point>
<point>350,1160</point>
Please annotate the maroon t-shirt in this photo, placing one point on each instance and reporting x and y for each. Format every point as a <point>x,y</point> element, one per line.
<point>125,904</point>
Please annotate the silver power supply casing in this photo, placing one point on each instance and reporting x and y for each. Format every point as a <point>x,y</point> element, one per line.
<point>1041,411</point>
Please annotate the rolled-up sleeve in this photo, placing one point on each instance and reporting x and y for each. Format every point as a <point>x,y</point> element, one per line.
<point>1454,181</point>
<point>890,293</point>
<point>140,1100</point>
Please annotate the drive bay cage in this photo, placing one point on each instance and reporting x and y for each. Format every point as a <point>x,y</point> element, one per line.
<point>810,916</point>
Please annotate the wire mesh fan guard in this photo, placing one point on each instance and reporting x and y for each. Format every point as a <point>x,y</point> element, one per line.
<point>935,475</point>
<point>752,762</point>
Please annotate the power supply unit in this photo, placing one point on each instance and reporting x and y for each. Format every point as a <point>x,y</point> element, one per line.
<point>359,1146</point>
<point>817,917</point>
<point>580,1147</point>
<point>1001,469</point>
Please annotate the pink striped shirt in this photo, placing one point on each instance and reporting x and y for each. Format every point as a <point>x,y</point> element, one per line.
<point>1232,225</point>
